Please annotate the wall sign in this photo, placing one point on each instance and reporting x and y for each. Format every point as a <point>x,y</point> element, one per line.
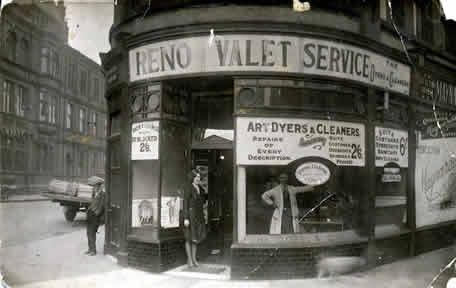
<point>312,173</point>
<point>439,90</point>
<point>391,145</point>
<point>279,141</point>
<point>435,181</point>
<point>144,140</point>
<point>268,53</point>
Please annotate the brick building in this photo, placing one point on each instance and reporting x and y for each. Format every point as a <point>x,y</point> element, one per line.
<point>353,97</point>
<point>52,120</point>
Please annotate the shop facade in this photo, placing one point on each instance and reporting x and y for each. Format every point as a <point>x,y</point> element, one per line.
<point>269,93</point>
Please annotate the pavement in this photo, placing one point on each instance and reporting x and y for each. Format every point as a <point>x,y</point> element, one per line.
<point>59,262</point>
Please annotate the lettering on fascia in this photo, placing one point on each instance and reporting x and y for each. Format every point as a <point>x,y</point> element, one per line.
<point>229,53</point>
<point>163,58</point>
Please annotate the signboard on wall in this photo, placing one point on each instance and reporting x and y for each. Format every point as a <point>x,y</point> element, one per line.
<point>268,53</point>
<point>391,145</point>
<point>144,212</point>
<point>279,141</point>
<point>435,181</point>
<point>170,207</point>
<point>144,140</point>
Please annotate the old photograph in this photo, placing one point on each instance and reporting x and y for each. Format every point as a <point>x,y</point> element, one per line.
<point>242,143</point>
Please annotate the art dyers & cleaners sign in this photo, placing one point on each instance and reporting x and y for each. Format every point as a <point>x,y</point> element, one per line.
<point>277,141</point>
<point>268,53</point>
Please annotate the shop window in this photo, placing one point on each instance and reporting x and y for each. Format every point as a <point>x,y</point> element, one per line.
<point>435,174</point>
<point>145,194</point>
<point>332,207</point>
<point>174,169</point>
<point>391,161</point>
<point>145,102</point>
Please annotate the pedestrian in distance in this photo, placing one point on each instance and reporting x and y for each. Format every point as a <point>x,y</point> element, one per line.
<point>95,213</point>
<point>194,223</point>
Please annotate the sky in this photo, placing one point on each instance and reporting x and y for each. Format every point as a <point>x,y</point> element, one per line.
<point>89,24</point>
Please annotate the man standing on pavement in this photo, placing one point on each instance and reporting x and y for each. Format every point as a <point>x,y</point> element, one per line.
<point>95,212</point>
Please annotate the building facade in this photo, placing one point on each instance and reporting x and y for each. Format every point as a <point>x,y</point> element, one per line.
<point>53,113</point>
<point>352,97</point>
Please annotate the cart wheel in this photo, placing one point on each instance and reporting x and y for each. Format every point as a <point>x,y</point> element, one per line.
<point>70,213</point>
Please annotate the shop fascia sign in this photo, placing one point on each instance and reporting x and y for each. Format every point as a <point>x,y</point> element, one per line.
<point>438,90</point>
<point>268,53</point>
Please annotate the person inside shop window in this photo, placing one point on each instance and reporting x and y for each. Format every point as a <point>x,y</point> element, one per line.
<point>285,219</point>
<point>194,223</point>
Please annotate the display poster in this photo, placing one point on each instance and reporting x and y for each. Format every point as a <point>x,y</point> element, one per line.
<point>144,140</point>
<point>435,180</point>
<point>279,141</point>
<point>268,53</point>
<point>391,145</point>
<point>170,207</point>
<point>144,212</point>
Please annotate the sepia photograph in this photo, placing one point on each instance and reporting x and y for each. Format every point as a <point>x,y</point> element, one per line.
<point>242,143</point>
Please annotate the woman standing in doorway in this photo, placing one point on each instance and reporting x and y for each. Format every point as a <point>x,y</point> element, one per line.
<point>194,224</point>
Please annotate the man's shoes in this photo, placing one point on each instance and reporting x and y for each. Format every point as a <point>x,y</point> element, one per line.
<point>92,253</point>
<point>87,252</point>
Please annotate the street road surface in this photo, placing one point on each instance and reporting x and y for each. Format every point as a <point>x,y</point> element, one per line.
<point>24,222</point>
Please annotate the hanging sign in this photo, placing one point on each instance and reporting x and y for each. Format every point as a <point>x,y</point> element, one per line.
<point>268,53</point>
<point>391,145</point>
<point>312,173</point>
<point>279,141</point>
<point>144,140</point>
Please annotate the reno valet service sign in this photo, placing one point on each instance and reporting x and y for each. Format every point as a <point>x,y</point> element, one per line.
<point>277,141</point>
<point>265,53</point>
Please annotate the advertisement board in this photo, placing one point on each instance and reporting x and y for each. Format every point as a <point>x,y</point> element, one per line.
<point>279,141</point>
<point>435,181</point>
<point>144,140</point>
<point>391,145</point>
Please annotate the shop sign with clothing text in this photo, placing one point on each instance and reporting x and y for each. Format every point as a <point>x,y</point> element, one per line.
<point>391,145</point>
<point>268,53</point>
<point>279,141</point>
<point>144,140</point>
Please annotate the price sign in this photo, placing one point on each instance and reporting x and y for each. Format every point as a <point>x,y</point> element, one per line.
<point>391,145</point>
<point>144,140</point>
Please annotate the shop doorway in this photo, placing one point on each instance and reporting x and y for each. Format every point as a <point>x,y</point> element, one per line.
<point>216,167</point>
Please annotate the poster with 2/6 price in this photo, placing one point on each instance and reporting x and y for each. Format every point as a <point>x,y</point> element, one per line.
<point>144,140</point>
